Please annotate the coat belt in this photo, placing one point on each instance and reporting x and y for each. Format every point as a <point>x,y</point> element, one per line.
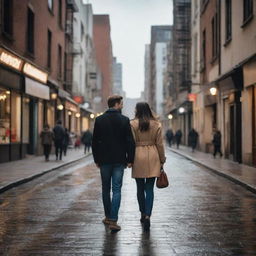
<point>144,143</point>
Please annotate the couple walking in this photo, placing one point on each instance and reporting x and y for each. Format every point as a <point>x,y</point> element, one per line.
<point>117,144</point>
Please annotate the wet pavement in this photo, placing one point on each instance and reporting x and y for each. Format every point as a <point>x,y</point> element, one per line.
<point>60,213</point>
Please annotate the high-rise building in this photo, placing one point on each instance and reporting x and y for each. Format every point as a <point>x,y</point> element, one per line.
<point>104,56</point>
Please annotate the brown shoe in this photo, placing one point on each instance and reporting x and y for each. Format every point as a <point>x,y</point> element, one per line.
<point>114,227</point>
<point>106,221</point>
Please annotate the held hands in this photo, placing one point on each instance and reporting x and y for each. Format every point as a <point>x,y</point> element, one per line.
<point>129,165</point>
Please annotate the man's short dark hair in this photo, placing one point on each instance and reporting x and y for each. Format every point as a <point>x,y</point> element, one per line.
<point>112,100</point>
<point>59,122</point>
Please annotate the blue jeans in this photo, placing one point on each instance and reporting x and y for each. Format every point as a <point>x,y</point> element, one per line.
<point>145,194</point>
<point>114,173</point>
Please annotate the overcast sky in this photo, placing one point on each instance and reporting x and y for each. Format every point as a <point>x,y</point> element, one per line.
<point>130,31</point>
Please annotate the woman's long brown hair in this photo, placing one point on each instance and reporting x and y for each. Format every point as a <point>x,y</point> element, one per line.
<point>144,115</point>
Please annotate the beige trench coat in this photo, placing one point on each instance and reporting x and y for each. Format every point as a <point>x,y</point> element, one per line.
<point>149,153</point>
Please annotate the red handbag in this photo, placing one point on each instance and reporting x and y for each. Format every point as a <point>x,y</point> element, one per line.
<point>162,180</point>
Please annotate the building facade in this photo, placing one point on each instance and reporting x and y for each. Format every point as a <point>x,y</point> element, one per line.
<point>160,37</point>
<point>104,56</point>
<point>30,76</point>
<point>181,106</point>
<point>117,77</point>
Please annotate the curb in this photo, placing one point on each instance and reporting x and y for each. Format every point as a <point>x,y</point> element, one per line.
<point>217,171</point>
<point>25,180</point>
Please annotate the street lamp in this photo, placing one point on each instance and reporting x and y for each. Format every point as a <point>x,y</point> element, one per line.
<point>213,91</point>
<point>60,107</point>
<point>77,115</point>
<point>92,116</point>
<point>69,113</point>
<point>181,110</point>
<point>170,116</point>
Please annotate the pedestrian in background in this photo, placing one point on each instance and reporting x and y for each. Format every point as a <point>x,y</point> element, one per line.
<point>59,134</point>
<point>149,158</point>
<point>87,140</point>
<point>178,136</point>
<point>217,143</point>
<point>113,150</point>
<point>77,142</point>
<point>47,139</point>
<point>66,141</point>
<point>192,139</point>
<point>169,136</point>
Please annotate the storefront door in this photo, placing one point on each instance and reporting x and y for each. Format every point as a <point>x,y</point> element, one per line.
<point>33,109</point>
<point>236,128</point>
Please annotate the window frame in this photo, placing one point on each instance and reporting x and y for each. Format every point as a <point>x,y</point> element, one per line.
<point>49,49</point>
<point>30,51</point>
<point>7,34</point>
<point>247,17</point>
<point>228,22</point>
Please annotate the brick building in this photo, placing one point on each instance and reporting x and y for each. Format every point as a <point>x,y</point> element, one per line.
<point>32,67</point>
<point>104,56</point>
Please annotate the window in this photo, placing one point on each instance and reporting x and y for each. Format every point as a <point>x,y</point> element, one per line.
<point>60,13</point>
<point>5,115</point>
<point>215,36</point>
<point>82,31</point>
<point>50,5</point>
<point>30,31</point>
<point>7,17</point>
<point>248,9</point>
<point>15,117</point>
<point>203,61</point>
<point>59,61</point>
<point>228,20</point>
<point>49,49</point>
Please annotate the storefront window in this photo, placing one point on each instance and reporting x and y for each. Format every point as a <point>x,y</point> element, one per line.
<point>50,115</point>
<point>5,114</point>
<point>15,117</point>
<point>25,121</point>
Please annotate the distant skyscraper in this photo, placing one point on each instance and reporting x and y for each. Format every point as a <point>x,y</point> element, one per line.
<point>117,77</point>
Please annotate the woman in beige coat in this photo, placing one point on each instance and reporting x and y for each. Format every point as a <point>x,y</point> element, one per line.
<point>149,158</point>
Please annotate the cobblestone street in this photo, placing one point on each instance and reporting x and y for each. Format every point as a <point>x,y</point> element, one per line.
<point>61,212</point>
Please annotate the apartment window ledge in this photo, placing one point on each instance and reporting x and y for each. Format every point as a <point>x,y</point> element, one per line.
<point>30,54</point>
<point>8,36</point>
<point>214,58</point>
<point>50,11</point>
<point>247,21</point>
<point>228,41</point>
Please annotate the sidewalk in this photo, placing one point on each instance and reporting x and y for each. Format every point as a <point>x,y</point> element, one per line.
<point>240,174</point>
<point>17,172</point>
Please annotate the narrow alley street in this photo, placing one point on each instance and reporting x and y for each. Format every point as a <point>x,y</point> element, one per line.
<point>60,213</point>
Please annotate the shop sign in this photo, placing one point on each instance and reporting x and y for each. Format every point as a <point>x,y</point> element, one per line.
<point>78,99</point>
<point>36,89</point>
<point>10,60</point>
<point>71,106</point>
<point>192,97</point>
<point>35,73</point>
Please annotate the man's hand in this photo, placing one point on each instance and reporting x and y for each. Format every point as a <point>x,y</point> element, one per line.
<point>129,165</point>
<point>98,165</point>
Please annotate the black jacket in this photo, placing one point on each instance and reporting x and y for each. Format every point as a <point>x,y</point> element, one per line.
<point>59,133</point>
<point>87,138</point>
<point>113,141</point>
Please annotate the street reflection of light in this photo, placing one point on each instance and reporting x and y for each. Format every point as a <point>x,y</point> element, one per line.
<point>170,116</point>
<point>213,91</point>
<point>60,107</point>
<point>92,116</point>
<point>181,110</point>
<point>77,115</point>
<point>69,113</point>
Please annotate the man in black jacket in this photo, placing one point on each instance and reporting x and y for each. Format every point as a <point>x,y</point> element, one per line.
<point>113,150</point>
<point>59,134</point>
